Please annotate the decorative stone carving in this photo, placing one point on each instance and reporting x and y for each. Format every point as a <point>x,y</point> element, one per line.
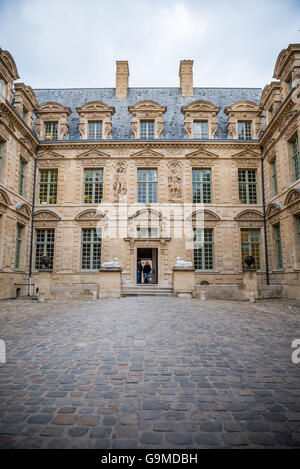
<point>148,110</point>
<point>119,185</point>
<point>232,130</point>
<point>175,184</point>
<point>200,110</point>
<point>95,111</point>
<point>188,129</point>
<point>64,131</point>
<point>181,263</point>
<point>292,196</point>
<point>111,264</point>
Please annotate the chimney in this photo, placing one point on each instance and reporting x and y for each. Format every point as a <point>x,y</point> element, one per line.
<point>122,74</point>
<point>186,78</point>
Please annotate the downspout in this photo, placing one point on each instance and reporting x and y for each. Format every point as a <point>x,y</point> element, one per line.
<point>30,292</point>
<point>265,221</point>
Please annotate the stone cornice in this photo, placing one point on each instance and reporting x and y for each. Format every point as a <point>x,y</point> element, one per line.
<point>19,124</point>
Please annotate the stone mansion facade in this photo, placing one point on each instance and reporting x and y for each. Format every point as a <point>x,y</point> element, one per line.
<point>88,175</point>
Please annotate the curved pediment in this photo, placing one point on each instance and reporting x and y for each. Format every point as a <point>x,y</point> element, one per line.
<point>25,211</point>
<point>4,199</point>
<point>9,63</point>
<point>200,106</point>
<point>46,215</point>
<point>205,215</point>
<point>142,106</point>
<point>292,196</point>
<point>91,214</point>
<point>242,106</point>
<point>273,209</point>
<point>249,215</point>
<point>280,62</point>
<point>95,106</point>
<point>53,107</point>
<point>148,212</point>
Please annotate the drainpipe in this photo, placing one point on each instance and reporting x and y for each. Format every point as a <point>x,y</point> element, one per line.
<point>30,292</point>
<point>264,212</point>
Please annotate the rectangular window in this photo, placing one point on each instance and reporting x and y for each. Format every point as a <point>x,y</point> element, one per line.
<point>274,177</point>
<point>277,232</point>
<point>93,186</point>
<point>203,249</point>
<point>250,241</point>
<point>51,130</point>
<point>298,226</point>
<point>18,246</point>
<point>245,130</point>
<point>147,129</point>
<point>44,246</point>
<point>200,129</point>
<point>295,158</point>
<point>201,179</point>
<point>247,186</point>
<point>22,166</point>
<point>91,249</point>
<point>290,83</point>
<point>1,157</point>
<point>95,130</point>
<point>48,186</point>
<point>147,186</point>
<point>147,232</point>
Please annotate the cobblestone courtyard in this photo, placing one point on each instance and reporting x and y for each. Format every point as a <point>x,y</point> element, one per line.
<point>149,372</point>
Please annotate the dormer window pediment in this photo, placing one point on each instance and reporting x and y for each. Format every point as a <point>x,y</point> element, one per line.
<point>147,120</point>
<point>95,120</point>
<point>200,120</point>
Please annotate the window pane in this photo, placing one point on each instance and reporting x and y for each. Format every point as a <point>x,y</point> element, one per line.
<point>44,246</point>
<point>18,246</point>
<point>278,246</point>
<point>247,186</point>
<point>95,130</point>
<point>147,129</point>
<point>250,242</point>
<point>91,249</point>
<point>203,249</point>
<point>51,130</point>
<point>245,130</point>
<point>1,156</point>
<point>201,180</point>
<point>48,186</point>
<point>200,129</point>
<point>295,158</point>
<point>93,186</point>
<point>147,185</point>
<point>274,178</point>
<point>21,177</point>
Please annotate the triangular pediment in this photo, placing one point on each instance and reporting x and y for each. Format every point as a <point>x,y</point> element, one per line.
<point>147,154</point>
<point>93,153</point>
<point>49,154</point>
<point>202,154</point>
<point>246,154</point>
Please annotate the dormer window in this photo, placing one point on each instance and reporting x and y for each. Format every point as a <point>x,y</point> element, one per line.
<point>51,130</point>
<point>245,130</point>
<point>95,130</point>
<point>200,129</point>
<point>2,88</point>
<point>147,129</point>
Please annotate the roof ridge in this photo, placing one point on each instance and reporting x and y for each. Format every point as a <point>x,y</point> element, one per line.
<point>156,88</point>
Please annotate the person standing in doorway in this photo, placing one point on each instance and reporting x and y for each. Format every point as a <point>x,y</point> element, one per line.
<point>139,271</point>
<point>147,269</point>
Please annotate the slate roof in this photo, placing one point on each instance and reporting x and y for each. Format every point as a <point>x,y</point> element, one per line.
<point>170,97</point>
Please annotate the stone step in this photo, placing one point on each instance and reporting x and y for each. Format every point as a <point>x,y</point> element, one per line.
<point>147,290</point>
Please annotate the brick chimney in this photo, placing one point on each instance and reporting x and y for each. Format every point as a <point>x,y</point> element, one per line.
<point>186,78</point>
<point>122,74</point>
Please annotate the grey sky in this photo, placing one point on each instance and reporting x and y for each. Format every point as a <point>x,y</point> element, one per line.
<point>75,43</point>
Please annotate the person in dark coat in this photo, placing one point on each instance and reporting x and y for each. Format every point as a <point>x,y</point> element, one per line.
<point>146,270</point>
<point>139,271</point>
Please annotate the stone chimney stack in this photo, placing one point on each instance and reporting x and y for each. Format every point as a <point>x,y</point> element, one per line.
<point>122,74</point>
<point>186,78</point>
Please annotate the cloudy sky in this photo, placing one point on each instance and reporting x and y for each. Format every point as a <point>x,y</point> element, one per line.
<point>75,43</point>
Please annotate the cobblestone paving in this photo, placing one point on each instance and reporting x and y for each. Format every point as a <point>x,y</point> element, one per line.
<point>149,373</point>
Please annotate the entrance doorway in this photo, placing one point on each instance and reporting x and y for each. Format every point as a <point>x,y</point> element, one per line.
<point>150,255</point>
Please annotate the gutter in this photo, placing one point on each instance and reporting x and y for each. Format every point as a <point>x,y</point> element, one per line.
<point>265,221</point>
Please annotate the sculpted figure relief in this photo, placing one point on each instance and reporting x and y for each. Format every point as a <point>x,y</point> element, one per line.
<point>134,129</point>
<point>174,183</point>
<point>160,129</point>
<point>64,131</point>
<point>188,129</point>
<point>232,130</point>
<point>81,129</point>
<point>107,129</point>
<point>119,186</point>
<point>214,128</point>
